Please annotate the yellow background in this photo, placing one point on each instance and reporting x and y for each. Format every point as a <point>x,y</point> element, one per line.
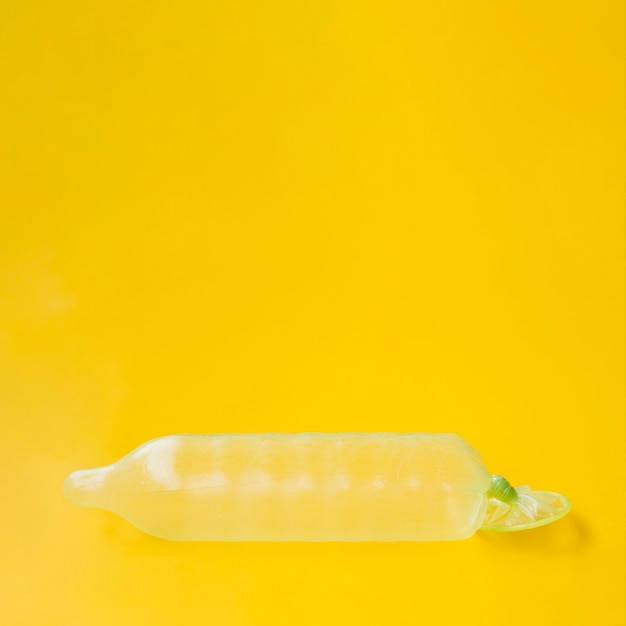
<point>263,215</point>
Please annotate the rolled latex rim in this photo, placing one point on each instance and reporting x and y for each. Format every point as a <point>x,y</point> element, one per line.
<point>508,512</point>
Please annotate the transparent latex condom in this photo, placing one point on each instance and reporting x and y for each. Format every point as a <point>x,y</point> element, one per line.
<point>311,487</point>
